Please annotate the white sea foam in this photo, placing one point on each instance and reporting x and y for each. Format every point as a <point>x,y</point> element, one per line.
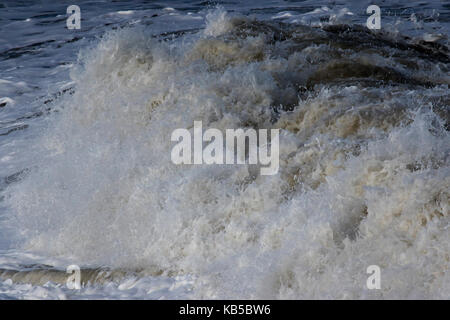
<point>364,171</point>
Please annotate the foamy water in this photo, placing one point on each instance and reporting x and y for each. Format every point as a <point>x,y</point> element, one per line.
<point>364,170</point>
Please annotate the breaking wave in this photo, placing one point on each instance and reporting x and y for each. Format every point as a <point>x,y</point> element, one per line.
<point>364,174</point>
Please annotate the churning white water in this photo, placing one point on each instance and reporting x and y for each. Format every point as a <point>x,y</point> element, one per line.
<point>364,174</point>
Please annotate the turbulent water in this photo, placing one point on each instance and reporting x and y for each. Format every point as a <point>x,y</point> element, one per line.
<point>364,175</point>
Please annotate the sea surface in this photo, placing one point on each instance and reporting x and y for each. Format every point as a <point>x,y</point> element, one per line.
<point>86,176</point>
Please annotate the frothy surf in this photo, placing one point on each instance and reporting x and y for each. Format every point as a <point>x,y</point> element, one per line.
<point>364,173</point>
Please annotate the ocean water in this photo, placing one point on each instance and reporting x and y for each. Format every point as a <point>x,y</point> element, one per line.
<point>85,171</point>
